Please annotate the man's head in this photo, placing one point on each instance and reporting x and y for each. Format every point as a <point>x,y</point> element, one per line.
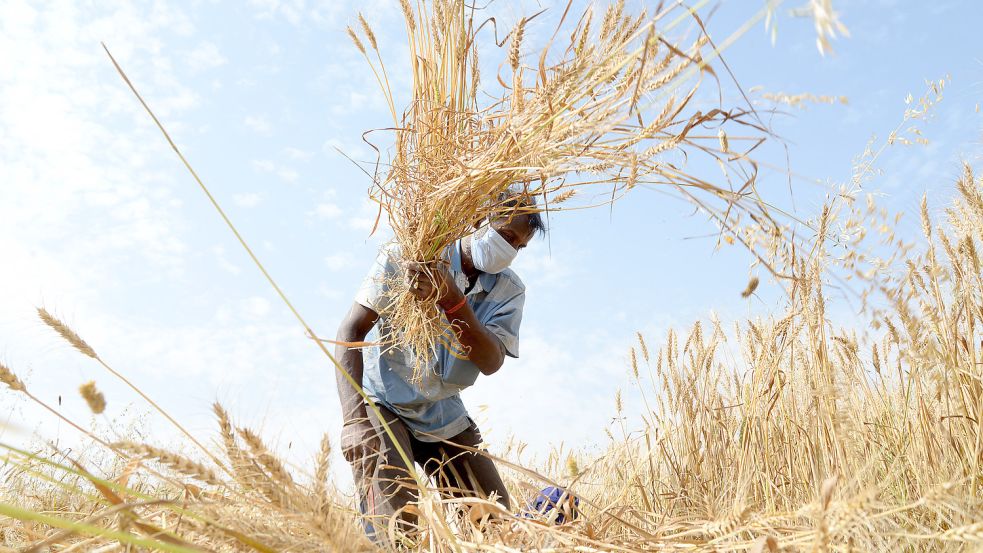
<point>519,220</point>
<point>497,241</point>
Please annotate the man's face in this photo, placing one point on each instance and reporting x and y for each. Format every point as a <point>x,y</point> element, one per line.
<point>516,231</point>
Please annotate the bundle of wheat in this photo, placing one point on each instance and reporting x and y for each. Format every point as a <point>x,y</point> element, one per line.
<point>605,109</point>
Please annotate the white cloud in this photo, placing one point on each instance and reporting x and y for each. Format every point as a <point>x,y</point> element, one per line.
<point>257,123</point>
<point>537,266</point>
<point>291,10</point>
<point>339,261</point>
<point>328,292</point>
<point>226,357</point>
<point>327,210</point>
<point>82,164</point>
<point>355,102</point>
<point>255,307</point>
<point>352,150</point>
<point>205,56</point>
<point>288,174</point>
<point>361,223</point>
<point>264,165</point>
<point>297,154</point>
<point>300,13</point>
<point>366,216</point>
<point>223,262</point>
<point>246,81</point>
<point>247,200</point>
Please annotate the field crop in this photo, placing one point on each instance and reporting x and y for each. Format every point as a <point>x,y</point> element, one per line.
<point>786,432</point>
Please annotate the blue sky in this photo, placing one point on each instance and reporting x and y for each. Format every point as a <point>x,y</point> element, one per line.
<point>101,224</point>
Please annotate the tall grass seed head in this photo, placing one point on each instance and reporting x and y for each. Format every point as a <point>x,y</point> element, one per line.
<point>8,377</point>
<point>93,397</point>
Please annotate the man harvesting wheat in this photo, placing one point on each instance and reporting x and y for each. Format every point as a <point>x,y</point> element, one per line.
<point>482,301</point>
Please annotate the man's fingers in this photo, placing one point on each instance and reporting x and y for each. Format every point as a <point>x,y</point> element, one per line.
<point>418,281</point>
<point>416,268</point>
<point>417,277</point>
<point>414,281</point>
<point>421,282</point>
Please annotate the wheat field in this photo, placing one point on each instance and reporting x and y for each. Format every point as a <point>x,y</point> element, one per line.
<point>811,438</point>
<point>787,432</point>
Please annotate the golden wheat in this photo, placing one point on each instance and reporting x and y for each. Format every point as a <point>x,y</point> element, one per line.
<point>174,461</point>
<point>93,397</point>
<point>787,433</point>
<point>8,377</point>
<point>66,332</point>
<point>582,125</point>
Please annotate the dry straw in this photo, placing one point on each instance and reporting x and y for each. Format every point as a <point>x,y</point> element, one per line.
<point>603,111</point>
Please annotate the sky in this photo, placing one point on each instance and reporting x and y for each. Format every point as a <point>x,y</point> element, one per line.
<point>102,225</point>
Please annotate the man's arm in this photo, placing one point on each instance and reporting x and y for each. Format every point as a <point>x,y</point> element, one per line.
<point>354,328</point>
<point>484,348</point>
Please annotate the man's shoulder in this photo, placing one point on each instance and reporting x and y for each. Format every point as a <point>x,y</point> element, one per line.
<point>510,278</point>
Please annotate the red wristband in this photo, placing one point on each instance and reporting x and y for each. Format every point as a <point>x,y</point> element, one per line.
<point>457,307</point>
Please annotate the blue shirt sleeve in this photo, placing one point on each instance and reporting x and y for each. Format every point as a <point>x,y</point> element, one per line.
<point>504,322</point>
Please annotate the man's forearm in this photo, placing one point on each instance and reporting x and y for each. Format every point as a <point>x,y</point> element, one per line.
<point>484,348</point>
<point>356,325</point>
<point>352,403</point>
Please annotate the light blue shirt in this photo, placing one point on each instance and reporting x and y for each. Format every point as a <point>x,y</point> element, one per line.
<point>432,408</point>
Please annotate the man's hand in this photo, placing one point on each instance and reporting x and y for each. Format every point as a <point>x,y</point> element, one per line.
<point>429,282</point>
<point>483,348</point>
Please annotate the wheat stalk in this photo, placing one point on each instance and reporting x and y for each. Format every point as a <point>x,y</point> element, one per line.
<point>12,381</point>
<point>67,333</point>
<point>174,461</point>
<point>259,450</point>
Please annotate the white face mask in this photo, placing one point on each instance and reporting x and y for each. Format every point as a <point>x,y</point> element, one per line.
<point>490,252</point>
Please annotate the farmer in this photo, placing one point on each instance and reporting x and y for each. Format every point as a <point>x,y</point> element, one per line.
<point>482,298</point>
